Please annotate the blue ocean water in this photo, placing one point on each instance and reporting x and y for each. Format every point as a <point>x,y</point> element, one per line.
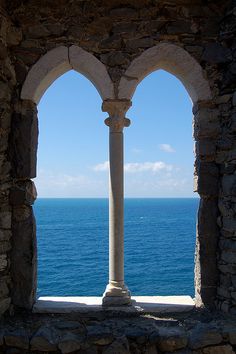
<point>72,239</point>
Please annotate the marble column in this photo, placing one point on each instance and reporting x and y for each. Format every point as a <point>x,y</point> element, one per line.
<point>116,293</point>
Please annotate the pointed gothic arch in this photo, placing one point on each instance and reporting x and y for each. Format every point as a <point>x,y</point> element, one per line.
<point>58,61</point>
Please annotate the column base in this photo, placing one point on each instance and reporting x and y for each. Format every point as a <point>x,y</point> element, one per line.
<point>116,294</point>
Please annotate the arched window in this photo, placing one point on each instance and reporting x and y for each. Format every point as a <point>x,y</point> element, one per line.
<point>71,221</point>
<point>160,205</point>
<point>116,101</point>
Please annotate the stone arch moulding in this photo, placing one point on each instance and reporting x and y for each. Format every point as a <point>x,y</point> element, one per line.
<point>58,61</point>
<point>173,59</point>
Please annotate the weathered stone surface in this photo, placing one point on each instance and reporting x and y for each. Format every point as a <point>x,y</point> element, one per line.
<point>5,219</point>
<point>206,178</point>
<point>5,167</point>
<point>23,260</point>
<point>45,339</point>
<point>139,43</point>
<point>228,256</point>
<point>222,349</point>
<point>4,305</point>
<point>119,346</point>
<point>215,53</point>
<point>24,193</point>
<point>4,291</point>
<point>99,335</point>
<point>205,149</point>
<point>5,246</point>
<point>204,335</point>
<point>234,99</point>
<point>69,343</point>
<point>24,141</point>
<point>3,262</point>
<point>172,339</point>
<point>229,185</point>
<point>5,235</point>
<point>17,339</point>
<point>206,124</point>
<point>229,224</point>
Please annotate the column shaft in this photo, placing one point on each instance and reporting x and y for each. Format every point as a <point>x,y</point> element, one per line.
<point>116,209</point>
<point>116,293</point>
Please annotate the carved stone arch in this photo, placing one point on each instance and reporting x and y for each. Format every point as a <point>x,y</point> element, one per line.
<point>181,64</point>
<point>24,142</point>
<point>173,59</point>
<point>58,61</point>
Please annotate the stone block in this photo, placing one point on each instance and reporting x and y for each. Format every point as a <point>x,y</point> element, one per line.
<point>204,335</point>
<point>24,260</point>
<point>206,178</point>
<point>114,59</point>
<point>139,43</point>
<point>124,27</point>
<point>69,343</point>
<point>119,345</point>
<point>171,339</point>
<point>232,336</point>
<point>226,208</point>
<point>45,339</point>
<point>23,193</point>
<point>205,149</point>
<point>229,224</point>
<point>215,53</point>
<point>221,349</point>
<point>5,246</point>
<point>206,128</point>
<point>179,27</point>
<point>224,293</point>
<point>207,224</point>
<point>5,167</point>
<point>234,99</point>
<point>5,92</point>
<point>4,291</point>
<point>5,235</point>
<point>227,268</point>
<point>228,257</point>
<point>24,141</point>
<point>4,305</point>
<point>18,339</point>
<point>223,99</point>
<point>229,245</point>
<point>227,168</point>
<point>5,219</point>
<point>3,262</point>
<point>229,185</point>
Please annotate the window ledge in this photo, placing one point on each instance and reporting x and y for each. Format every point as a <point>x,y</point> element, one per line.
<point>156,304</point>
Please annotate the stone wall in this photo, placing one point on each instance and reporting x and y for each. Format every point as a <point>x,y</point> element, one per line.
<point>117,32</point>
<point>118,333</point>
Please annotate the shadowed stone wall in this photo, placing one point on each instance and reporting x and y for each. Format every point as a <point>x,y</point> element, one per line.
<point>116,33</point>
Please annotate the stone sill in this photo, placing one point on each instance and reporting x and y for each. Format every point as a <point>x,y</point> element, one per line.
<point>145,304</point>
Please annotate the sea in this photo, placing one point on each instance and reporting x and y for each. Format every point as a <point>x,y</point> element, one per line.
<point>72,237</point>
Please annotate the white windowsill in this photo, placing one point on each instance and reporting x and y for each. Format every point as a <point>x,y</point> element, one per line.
<point>157,304</point>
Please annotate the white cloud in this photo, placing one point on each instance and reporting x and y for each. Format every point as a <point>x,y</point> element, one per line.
<point>52,184</point>
<point>133,167</point>
<point>147,166</point>
<point>166,148</point>
<point>101,166</point>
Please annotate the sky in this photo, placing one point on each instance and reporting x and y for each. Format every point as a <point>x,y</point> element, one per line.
<point>73,140</point>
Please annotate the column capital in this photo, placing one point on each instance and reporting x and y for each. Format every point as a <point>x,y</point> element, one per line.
<point>116,109</point>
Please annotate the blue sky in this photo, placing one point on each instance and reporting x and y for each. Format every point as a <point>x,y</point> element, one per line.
<point>73,140</point>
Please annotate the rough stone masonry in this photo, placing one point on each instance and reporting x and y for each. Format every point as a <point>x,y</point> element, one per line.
<point>119,35</point>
